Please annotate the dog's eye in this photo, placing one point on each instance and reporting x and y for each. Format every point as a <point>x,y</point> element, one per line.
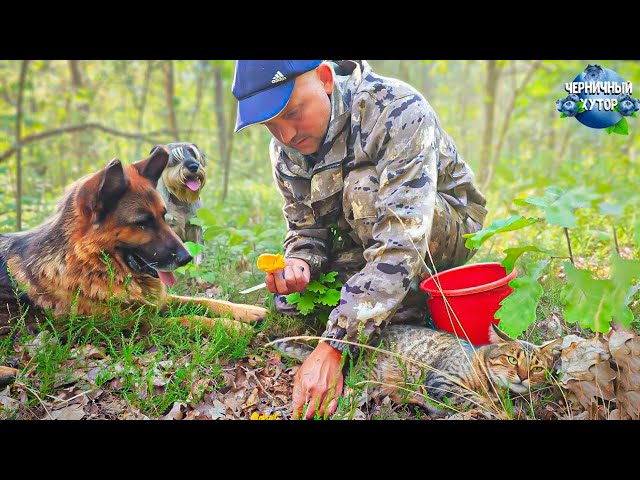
<point>144,221</point>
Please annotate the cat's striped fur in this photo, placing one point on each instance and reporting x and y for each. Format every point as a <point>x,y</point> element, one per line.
<point>435,369</point>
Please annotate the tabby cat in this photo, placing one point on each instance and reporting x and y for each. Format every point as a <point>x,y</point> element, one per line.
<point>440,370</point>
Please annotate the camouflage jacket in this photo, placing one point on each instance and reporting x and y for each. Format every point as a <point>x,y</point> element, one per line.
<point>383,123</point>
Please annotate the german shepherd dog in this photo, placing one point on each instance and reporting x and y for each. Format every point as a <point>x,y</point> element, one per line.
<point>60,265</point>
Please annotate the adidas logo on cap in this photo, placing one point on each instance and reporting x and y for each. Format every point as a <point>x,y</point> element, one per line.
<point>278,77</point>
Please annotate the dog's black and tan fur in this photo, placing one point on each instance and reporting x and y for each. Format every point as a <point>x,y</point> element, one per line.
<point>117,211</point>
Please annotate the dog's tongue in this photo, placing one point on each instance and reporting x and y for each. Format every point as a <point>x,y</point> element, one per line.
<point>193,185</point>
<point>168,278</point>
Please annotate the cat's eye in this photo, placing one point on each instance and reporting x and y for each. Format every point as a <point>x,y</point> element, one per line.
<point>512,360</point>
<point>538,369</point>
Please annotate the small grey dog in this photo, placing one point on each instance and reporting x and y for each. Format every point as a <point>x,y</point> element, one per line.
<point>180,186</point>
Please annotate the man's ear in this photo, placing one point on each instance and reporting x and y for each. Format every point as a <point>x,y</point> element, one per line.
<point>153,166</point>
<point>498,336</point>
<point>102,191</point>
<point>325,74</point>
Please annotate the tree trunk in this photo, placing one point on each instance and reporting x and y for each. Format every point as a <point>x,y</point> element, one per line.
<point>224,140</point>
<point>169,99</point>
<point>464,98</point>
<point>78,145</point>
<point>76,77</point>
<point>23,75</point>
<point>202,74</point>
<point>505,124</point>
<point>489,105</point>
<point>143,102</point>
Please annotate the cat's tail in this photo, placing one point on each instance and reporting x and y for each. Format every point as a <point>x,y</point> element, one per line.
<point>295,349</point>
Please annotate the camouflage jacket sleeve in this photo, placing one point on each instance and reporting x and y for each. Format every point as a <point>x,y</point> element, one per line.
<point>305,238</point>
<point>403,144</point>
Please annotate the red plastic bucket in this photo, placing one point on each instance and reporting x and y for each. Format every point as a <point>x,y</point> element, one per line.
<point>474,293</point>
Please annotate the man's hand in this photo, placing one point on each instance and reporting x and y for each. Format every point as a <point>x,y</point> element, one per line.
<point>318,382</point>
<point>293,278</point>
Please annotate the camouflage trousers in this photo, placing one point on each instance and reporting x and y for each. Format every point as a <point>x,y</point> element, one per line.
<point>445,243</point>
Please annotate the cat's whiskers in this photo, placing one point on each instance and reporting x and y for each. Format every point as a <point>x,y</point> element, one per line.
<point>449,312</point>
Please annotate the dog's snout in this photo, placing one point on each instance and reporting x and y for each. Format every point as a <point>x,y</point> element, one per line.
<point>183,257</point>
<point>192,166</point>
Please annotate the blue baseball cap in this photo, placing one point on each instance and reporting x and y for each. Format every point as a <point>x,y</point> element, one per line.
<point>263,87</point>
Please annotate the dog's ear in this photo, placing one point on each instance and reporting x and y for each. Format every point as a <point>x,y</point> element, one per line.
<point>153,166</point>
<point>101,193</point>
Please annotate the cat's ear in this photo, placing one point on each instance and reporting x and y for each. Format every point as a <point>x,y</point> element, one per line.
<point>498,336</point>
<point>552,346</point>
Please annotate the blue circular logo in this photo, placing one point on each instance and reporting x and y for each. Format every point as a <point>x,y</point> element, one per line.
<point>599,98</point>
<point>598,118</point>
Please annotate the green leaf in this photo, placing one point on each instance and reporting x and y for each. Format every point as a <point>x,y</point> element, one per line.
<point>293,298</point>
<point>212,232</point>
<point>331,297</point>
<point>622,127</point>
<point>516,222</point>
<point>634,115</point>
<point>194,248</point>
<point>607,208</point>
<point>514,253</point>
<point>624,272</point>
<point>587,300</point>
<point>563,115</point>
<point>241,220</point>
<point>306,305</point>
<point>559,206</point>
<point>207,216</point>
<point>328,277</point>
<point>599,235</point>
<point>315,286</point>
<point>610,129</point>
<point>518,310</point>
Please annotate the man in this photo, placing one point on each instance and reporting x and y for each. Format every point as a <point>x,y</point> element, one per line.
<point>367,154</point>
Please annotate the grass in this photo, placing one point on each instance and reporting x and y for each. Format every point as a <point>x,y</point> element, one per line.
<point>149,363</point>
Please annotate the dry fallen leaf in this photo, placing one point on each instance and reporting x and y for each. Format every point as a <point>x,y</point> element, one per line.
<point>175,413</point>
<point>72,412</point>
<point>252,400</point>
<point>88,351</point>
<point>625,350</point>
<point>579,355</point>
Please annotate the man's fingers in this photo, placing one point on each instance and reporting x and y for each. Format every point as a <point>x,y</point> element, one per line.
<point>333,406</point>
<point>306,274</point>
<point>290,279</point>
<point>311,408</point>
<point>301,280</point>
<point>281,284</point>
<point>271,283</point>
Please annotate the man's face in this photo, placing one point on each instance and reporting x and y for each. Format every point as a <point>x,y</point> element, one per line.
<point>303,123</point>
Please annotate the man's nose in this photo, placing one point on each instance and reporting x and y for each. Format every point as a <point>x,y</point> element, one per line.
<point>287,134</point>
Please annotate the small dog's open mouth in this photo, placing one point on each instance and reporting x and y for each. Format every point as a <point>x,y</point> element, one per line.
<point>137,264</point>
<point>193,184</point>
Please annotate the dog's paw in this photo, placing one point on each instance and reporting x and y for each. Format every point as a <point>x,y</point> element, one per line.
<point>249,313</point>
